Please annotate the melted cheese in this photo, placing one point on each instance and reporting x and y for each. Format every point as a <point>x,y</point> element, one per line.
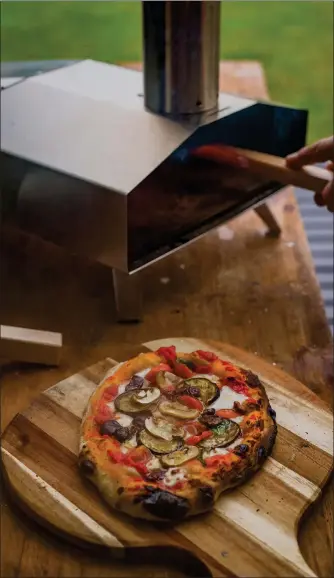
<point>238,419</point>
<point>222,451</point>
<point>143,372</point>
<point>227,398</point>
<point>123,419</point>
<point>215,452</point>
<point>173,476</point>
<point>210,377</point>
<point>153,464</point>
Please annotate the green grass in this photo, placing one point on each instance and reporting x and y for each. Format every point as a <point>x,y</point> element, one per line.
<point>293,40</point>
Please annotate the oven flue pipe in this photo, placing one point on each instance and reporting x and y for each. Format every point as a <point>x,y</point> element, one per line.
<point>181,56</point>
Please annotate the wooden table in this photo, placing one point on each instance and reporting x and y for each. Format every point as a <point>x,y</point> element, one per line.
<point>235,285</point>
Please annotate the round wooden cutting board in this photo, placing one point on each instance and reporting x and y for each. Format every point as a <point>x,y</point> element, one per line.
<point>252,530</point>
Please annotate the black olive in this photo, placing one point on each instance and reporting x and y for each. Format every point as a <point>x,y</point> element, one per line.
<point>272,412</point>
<point>120,491</point>
<point>139,421</point>
<point>210,418</point>
<point>136,382</point>
<point>122,434</point>
<point>207,494</point>
<point>108,428</point>
<point>252,379</point>
<point>165,505</point>
<point>261,453</point>
<point>241,450</point>
<point>210,411</point>
<point>87,466</point>
<point>155,476</point>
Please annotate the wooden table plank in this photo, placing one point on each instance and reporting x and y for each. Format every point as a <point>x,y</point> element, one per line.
<point>235,285</point>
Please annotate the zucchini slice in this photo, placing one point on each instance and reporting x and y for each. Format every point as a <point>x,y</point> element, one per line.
<point>158,445</point>
<point>209,391</point>
<point>224,434</point>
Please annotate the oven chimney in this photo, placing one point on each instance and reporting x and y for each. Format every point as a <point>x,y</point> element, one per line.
<point>181,56</point>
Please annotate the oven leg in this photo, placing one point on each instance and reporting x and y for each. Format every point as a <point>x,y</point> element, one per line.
<point>128,297</point>
<point>265,213</point>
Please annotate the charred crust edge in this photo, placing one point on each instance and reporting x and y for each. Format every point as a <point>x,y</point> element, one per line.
<point>163,504</point>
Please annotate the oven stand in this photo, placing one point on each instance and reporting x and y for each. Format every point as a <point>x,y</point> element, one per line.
<point>128,297</point>
<point>267,216</point>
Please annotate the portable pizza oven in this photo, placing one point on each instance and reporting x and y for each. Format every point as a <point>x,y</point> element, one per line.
<point>100,156</point>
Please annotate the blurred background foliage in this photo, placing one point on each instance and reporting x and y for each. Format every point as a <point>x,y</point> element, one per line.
<point>292,39</point>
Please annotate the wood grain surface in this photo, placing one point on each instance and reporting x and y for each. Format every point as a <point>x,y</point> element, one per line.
<point>252,530</point>
<point>235,285</point>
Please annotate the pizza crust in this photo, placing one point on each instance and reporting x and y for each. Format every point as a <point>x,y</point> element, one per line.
<point>118,483</point>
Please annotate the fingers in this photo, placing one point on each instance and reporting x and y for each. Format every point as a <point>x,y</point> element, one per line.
<point>319,152</point>
<point>328,196</point>
<point>330,166</point>
<point>319,201</point>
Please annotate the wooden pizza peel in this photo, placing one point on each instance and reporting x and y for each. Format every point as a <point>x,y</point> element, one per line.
<point>252,530</point>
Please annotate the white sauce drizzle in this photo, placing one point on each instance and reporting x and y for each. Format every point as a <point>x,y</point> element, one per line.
<point>173,476</point>
<point>227,398</point>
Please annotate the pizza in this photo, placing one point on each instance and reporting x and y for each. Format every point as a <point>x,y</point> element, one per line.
<point>166,433</point>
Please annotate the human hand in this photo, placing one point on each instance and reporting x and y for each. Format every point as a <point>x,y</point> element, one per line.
<point>319,152</point>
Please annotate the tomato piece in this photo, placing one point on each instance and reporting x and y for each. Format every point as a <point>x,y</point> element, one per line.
<point>103,414</point>
<point>141,468</point>
<point>110,392</point>
<point>151,376</point>
<point>191,430</point>
<point>190,402</point>
<point>194,440</point>
<point>203,368</point>
<point>182,370</point>
<point>140,455</point>
<point>169,353</point>
<point>207,355</point>
<point>116,456</point>
<point>227,413</point>
<point>228,365</point>
<point>178,485</point>
<point>237,386</point>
